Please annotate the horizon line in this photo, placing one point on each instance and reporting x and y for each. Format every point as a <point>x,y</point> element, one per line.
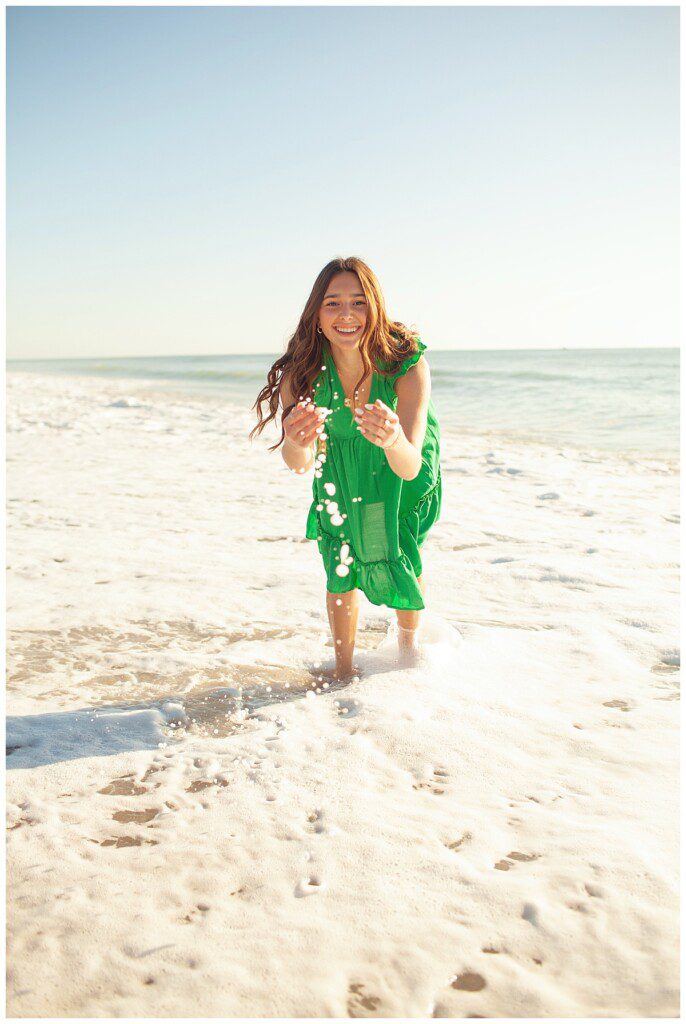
<point>247,355</point>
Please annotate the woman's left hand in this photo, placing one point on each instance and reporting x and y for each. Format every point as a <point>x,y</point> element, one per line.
<point>378,423</point>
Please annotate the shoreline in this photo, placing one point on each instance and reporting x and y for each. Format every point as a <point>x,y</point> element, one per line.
<point>154,390</point>
<point>494,829</point>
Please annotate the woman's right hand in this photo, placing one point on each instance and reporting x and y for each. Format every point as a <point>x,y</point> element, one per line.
<point>304,423</point>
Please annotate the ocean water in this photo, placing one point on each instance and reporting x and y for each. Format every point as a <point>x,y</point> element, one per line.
<point>620,400</point>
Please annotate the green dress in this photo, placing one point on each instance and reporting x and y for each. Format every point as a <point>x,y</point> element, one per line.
<point>369,523</point>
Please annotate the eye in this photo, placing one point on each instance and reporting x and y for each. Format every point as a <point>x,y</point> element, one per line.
<point>361,302</point>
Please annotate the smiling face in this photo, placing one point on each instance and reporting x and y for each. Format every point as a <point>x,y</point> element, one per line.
<point>343,312</point>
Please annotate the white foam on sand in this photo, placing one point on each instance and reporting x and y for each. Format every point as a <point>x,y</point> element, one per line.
<point>199,825</point>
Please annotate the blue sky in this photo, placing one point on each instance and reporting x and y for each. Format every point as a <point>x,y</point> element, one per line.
<point>176,177</point>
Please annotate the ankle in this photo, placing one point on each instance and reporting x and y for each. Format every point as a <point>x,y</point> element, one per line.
<point>344,661</point>
<point>407,638</point>
<point>346,671</point>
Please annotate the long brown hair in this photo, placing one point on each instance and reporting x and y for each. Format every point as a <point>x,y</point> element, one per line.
<point>384,342</point>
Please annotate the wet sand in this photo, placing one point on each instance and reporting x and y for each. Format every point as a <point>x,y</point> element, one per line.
<point>199,825</point>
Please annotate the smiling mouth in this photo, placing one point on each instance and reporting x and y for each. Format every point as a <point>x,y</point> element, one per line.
<point>346,330</point>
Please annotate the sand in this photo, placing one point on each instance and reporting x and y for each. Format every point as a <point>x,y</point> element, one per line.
<point>193,830</point>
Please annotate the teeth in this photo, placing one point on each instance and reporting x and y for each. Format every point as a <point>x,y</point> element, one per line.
<point>346,330</point>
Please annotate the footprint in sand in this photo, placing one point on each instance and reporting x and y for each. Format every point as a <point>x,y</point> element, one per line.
<point>152,770</point>
<point>125,785</point>
<point>197,913</point>
<point>361,1004</point>
<point>308,886</point>
<point>135,817</point>
<point>200,784</point>
<point>622,705</point>
<point>436,783</point>
<point>120,842</point>
<point>594,890</point>
<point>316,821</point>
<point>468,981</point>
<point>508,862</point>
<point>581,908</point>
<point>456,844</point>
<point>530,913</point>
<point>542,801</point>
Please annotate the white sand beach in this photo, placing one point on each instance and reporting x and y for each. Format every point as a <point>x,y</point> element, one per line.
<point>194,831</point>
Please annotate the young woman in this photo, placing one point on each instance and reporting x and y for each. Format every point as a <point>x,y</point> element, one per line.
<point>355,392</point>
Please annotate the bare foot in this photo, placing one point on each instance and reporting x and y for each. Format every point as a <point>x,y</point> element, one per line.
<point>338,673</point>
<point>409,657</point>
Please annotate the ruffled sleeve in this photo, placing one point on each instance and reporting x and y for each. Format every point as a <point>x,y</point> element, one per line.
<point>407,363</point>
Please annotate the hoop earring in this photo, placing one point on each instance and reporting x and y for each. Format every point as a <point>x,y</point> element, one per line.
<point>319,330</point>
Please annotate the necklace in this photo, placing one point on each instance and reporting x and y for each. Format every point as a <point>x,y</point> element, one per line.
<point>348,399</point>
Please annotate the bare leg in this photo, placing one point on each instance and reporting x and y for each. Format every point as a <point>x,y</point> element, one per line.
<point>408,623</point>
<point>343,623</point>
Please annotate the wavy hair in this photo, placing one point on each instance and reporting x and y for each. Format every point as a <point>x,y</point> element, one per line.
<point>384,341</point>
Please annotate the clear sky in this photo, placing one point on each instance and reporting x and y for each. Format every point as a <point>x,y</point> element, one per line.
<point>177,176</point>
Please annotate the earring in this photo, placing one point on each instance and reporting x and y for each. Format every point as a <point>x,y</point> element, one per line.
<point>319,330</point>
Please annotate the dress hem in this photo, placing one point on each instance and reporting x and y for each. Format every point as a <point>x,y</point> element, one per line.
<point>398,572</point>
